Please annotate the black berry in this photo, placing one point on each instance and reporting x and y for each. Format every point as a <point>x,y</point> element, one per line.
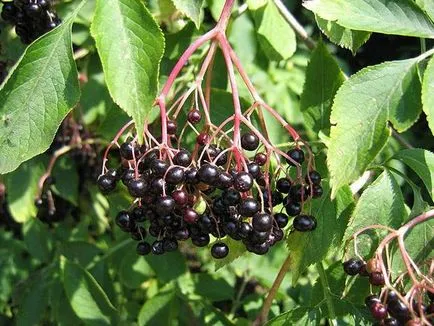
<point>353,266</point>
<point>304,223</point>
<point>262,222</point>
<point>283,185</point>
<point>219,250</point>
<point>296,155</point>
<point>249,141</point>
<point>143,248</point>
<point>106,183</point>
<point>243,181</point>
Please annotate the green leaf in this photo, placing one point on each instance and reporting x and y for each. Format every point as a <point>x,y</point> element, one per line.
<point>38,94</point>
<point>34,303</point>
<point>160,309</point>
<point>344,37</point>
<point>427,93</point>
<point>66,176</point>
<point>421,162</point>
<point>361,110</point>
<point>271,27</point>
<point>130,45</point>
<point>134,270</point>
<point>22,189</point>
<point>381,203</point>
<point>298,316</point>
<point>323,78</point>
<point>400,17</point>
<point>171,267</point>
<point>236,250</point>
<point>311,247</point>
<point>427,6</point>
<point>37,239</point>
<point>86,296</point>
<point>191,8</point>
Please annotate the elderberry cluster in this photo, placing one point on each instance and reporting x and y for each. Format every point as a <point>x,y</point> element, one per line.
<point>31,18</point>
<point>184,195</point>
<point>387,307</point>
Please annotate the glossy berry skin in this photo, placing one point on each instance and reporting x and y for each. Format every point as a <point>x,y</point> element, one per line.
<point>143,248</point>
<point>219,250</point>
<point>175,175</point>
<point>157,247</point>
<point>260,159</point>
<point>191,176</point>
<point>243,181</point>
<point>106,183</point>
<point>138,214</point>
<point>123,220</point>
<point>200,240</point>
<point>127,149</point>
<point>262,222</point>
<point>194,116</point>
<point>170,245</point>
<point>8,11</point>
<point>180,197</point>
<point>182,158</point>
<point>371,300</point>
<point>297,156</point>
<point>283,185</point>
<point>225,180</point>
<point>281,220</point>
<point>398,310</point>
<point>293,208</point>
<point>299,193</point>
<point>248,207</point>
<point>208,174</point>
<point>165,205</point>
<point>352,266</point>
<point>190,216</point>
<point>313,178</point>
<point>378,311</point>
<point>159,167</point>
<point>304,223</point>
<point>390,322</point>
<point>202,139</point>
<point>171,127</point>
<point>254,169</point>
<point>376,278</point>
<point>249,141</point>
<point>137,188</point>
<point>317,191</point>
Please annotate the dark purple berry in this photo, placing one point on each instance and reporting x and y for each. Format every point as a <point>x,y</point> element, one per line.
<point>390,322</point>
<point>33,10</point>
<point>190,216</point>
<point>106,183</point>
<point>200,240</point>
<point>159,167</point>
<point>352,266</point>
<point>281,220</point>
<point>317,191</point>
<point>191,176</point>
<point>248,207</point>
<point>371,300</point>
<point>313,178</point>
<point>398,310</point>
<point>137,187</point>
<point>127,150</point>
<point>283,185</point>
<point>297,156</point>
<point>262,222</point>
<point>138,214</point>
<point>182,158</point>
<point>243,181</point>
<point>171,127</point>
<point>299,193</point>
<point>124,221</point>
<point>225,180</point>
<point>157,186</point>
<point>244,230</point>
<point>127,176</point>
<point>304,223</point>
<point>157,247</point>
<point>208,174</point>
<point>182,234</point>
<point>219,250</point>
<point>249,141</point>
<point>143,248</point>
<point>164,205</point>
<point>254,169</point>
<point>180,197</point>
<point>378,311</point>
<point>376,278</point>
<point>138,234</point>
<point>202,139</point>
<point>293,208</point>
<point>261,248</point>
<point>260,158</point>
<point>170,245</point>
<point>175,175</point>
<point>194,116</point>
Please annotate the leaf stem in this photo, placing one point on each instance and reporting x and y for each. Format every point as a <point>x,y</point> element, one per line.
<point>263,315</point>
<point>326,291</point>
<point>296,26</point>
